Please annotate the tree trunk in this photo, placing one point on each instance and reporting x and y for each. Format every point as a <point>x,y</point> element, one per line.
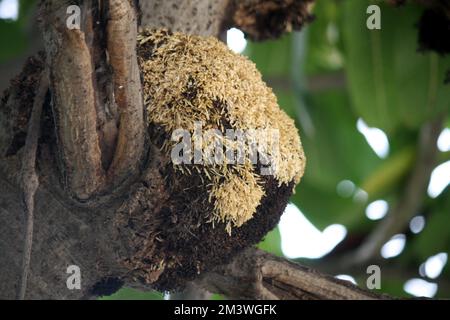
<point>79,206</point>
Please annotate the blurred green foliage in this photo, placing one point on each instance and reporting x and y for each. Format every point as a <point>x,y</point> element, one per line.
<point>385,71</point>
<point>389,84</point>
<point>13,32</point>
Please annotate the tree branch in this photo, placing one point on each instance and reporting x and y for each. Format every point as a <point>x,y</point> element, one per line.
<point>255,274</point>
<point>95,158</point>
<point>121,45</point>
<point>71,84</point>
<point>30,179</point>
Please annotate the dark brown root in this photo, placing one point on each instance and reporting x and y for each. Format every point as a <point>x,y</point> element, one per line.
<point>261,20</point>
<point>434,31</point>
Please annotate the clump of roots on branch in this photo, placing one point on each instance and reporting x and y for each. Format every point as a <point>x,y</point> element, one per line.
<point>190,80</point>
<point>213,210</point>
<point>270,19</point>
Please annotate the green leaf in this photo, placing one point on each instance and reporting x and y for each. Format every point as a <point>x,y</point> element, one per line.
<point>323,54</point>
<point>336,151</point>
<point>25,8</point>
<point>13,39</point>
<point>217,296</point>
<point>272,242</point>
<point>323,206</point>
<point>272,58</point>
<point>392,85</point>
<point>287,102</point>
<point>388,175</point>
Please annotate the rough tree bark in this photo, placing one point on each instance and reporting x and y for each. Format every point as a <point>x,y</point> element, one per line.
<point>255,274</point>
<point>104,164</point>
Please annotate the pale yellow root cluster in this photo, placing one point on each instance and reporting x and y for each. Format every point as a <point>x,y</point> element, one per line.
<point>191,78</point>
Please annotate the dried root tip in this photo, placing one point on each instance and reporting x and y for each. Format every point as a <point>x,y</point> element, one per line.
<point>262,20</point>
<point>229,207</point>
